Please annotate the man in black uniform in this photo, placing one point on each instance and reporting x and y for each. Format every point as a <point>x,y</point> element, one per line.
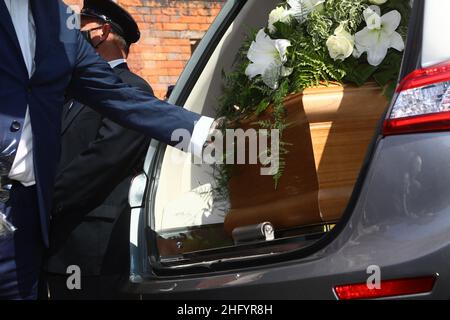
<point>99,158</point>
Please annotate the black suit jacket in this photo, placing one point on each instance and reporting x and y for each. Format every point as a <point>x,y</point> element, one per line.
<point>65,63</point>
<point>98,160</point>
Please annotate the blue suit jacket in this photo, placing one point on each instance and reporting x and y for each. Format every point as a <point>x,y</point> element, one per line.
<point>67,64</point>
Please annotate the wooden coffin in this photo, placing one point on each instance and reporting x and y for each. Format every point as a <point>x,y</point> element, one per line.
<point>331,129</point>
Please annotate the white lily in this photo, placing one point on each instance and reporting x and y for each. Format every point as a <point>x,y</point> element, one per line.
<point>267,58</point>
<point>379,36</point>
<point>300,9</point>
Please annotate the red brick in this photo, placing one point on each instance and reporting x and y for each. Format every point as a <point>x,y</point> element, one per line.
<point>174,71</point>
<point>172,64</point>
<point>189,19</point>
<point>126,3</point>
<point>198,26</point>
<point>174,26</point>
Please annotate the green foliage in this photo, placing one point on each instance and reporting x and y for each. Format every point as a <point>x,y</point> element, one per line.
<point>346,10</point>
<point>311,63</point>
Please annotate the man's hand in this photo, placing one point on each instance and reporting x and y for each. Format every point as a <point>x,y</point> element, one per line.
<point>218,124</point>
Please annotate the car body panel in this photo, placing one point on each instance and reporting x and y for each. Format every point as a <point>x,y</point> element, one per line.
<point>399,227</point>
<point>398,218</point>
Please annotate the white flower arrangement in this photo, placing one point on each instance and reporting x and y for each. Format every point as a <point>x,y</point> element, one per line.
<point>268,56</point>
<point>311,42</point>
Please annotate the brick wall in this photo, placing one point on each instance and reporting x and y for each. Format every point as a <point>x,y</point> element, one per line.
<point>170,30</point>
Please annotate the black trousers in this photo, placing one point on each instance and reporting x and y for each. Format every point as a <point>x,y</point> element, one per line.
<point>102,287</point>
<point>22,253</point>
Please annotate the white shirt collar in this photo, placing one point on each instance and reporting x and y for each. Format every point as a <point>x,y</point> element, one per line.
<point>115,63</point>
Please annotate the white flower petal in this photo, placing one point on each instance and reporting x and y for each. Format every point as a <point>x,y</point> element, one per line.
<point>341,44</point>
<point>253,53</point>
<point>279,14</point>
<point>282,46</point>
<point>376,9</point>
<point>295,4</point>
<point>263,41</point>
<point>397,42</point>
<point>272,28</point>
<point>267,57</point>
<point>390,21</point>
<point>300,9</point>
<point>297,10</point>
<point>375,40</point>
<point>262,57</point>
<point>271,76</point>
<point>374,22</point>
<point>253,70</point>
<point>372,17</point>
<point>376,54</point>
<point>367,38</point>
<point>311,5</point>
<point>261,49</point>
<point>358,51</point>
<point>371,10</point>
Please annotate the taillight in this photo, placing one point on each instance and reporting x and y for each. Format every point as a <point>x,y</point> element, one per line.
<point>389,288</point>
<point>423,102</point>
